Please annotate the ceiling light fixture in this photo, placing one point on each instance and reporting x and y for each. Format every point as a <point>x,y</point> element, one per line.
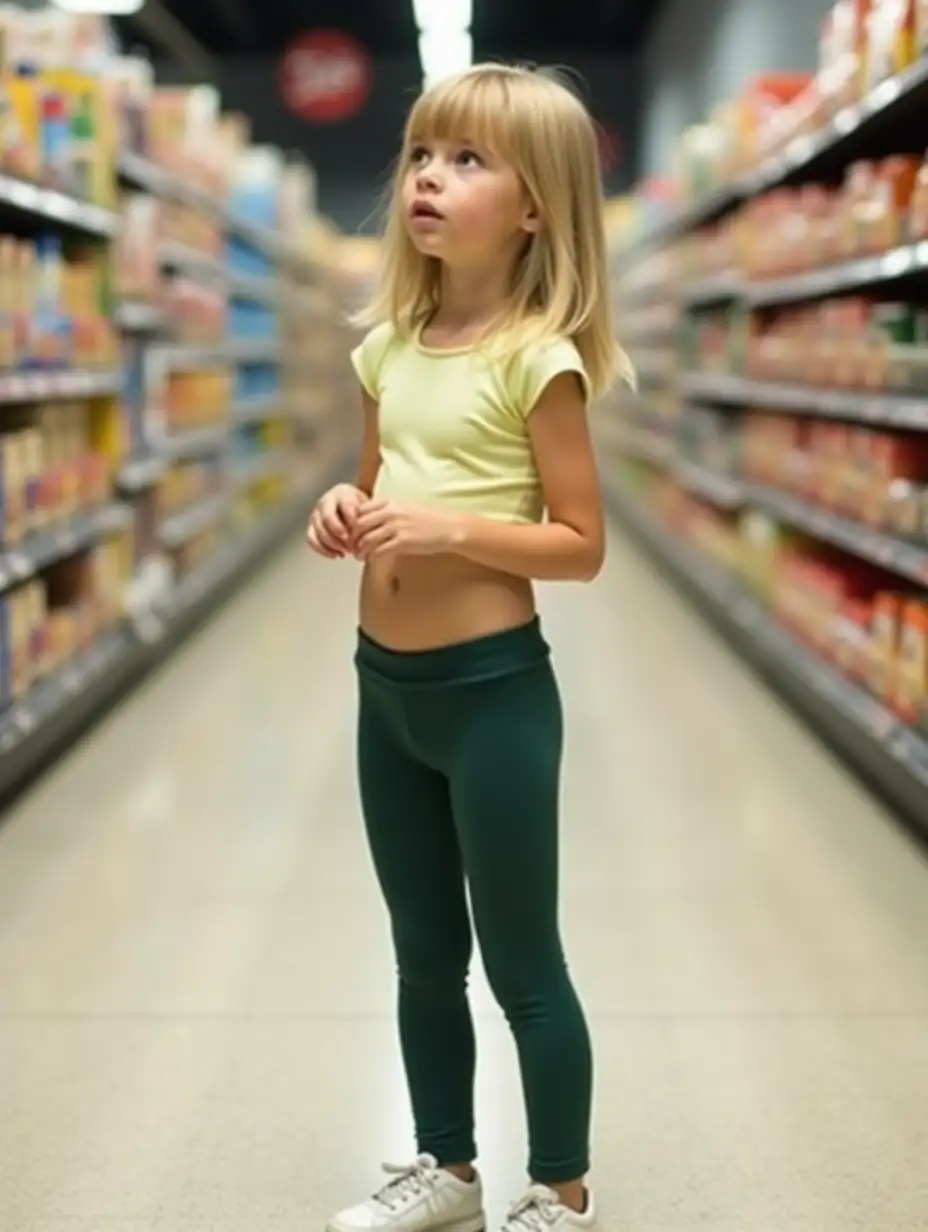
<point>448,16</point>
<point>107,8</point>
<point>443,53</point>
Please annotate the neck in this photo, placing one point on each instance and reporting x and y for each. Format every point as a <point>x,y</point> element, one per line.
<point>473,296</point>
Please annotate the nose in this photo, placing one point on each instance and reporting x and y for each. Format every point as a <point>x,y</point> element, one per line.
<point>426,178</point>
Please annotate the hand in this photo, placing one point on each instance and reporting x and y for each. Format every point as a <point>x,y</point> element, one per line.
<point>332,521</point>
<point>384,527</point>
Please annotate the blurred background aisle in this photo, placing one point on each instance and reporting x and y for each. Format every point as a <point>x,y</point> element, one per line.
<point>195,990</point>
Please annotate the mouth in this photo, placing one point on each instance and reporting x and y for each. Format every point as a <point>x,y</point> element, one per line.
<point>424,209</point>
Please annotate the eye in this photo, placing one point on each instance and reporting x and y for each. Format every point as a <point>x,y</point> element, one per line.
<point>469,158</point>
<point>418,156</point>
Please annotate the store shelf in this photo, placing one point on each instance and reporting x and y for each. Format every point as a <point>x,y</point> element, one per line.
<point>37,727</point>
<point>257,290</point>
<point>880,270</point>
<point>857,131</point>
<point>44,206</point>
<point>889,755</point>
<point>893,410</point>
<point>257,469</point>
<point>50,699</point>
<point>723,491</point>
<point>728,492</point>
<point>232,351</point>
<point>182,527</point>
<point>136,317</point>
<point>140,172</point>
<point>862,131</point>
<point>50,386</point>
<point>194,444</point>
<point>43,548</point>
<point>256,410</point>
<point>886,550</point>
<point>137,474</point>
<point>714,289</point>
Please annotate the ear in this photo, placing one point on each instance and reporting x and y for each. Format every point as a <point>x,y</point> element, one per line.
<point>531,219</point>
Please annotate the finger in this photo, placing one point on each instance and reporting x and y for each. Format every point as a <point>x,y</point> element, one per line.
<point>322,542</point>
<point>374,540</point>
<point>348,506</point>
<point>332,524</point>
<point>369,519</point>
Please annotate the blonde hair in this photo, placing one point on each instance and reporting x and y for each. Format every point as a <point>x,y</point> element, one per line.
<point>560,284</point>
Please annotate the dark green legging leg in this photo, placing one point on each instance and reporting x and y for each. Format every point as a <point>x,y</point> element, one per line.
<point>461,782</point>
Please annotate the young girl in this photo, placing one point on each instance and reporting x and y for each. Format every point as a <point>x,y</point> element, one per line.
<point>494,333</point>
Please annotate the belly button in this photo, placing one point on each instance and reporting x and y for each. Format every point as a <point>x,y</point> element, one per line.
<point>394,585</point>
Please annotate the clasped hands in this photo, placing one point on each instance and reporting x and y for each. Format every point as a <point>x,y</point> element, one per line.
<point>347,522</point>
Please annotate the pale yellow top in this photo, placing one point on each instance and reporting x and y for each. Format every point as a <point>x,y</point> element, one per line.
<point>454,423</point>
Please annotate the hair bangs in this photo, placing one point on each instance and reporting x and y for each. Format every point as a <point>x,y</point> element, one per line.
<point>472,106</point>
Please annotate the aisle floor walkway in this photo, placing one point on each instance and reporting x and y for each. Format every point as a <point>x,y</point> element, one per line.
<point>196,988</point>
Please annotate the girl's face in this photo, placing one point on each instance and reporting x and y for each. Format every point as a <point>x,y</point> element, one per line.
<point>464,204</point>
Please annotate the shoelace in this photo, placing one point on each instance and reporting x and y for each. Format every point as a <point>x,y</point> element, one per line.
<point>537,1211</point>
<point>408,1181</point>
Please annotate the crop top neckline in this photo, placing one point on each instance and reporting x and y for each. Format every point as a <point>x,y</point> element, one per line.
<point>438,352</point>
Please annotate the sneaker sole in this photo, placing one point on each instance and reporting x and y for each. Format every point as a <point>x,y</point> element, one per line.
<point>476,1223</point>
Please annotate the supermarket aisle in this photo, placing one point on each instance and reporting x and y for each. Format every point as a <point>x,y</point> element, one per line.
<point>195,987</point>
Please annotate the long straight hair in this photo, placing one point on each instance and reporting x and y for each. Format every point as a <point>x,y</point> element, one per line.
<point>533,121</point>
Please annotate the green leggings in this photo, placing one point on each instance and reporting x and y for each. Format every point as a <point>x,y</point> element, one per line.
<point>459,753</point>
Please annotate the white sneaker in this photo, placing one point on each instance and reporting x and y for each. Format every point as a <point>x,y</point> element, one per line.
<point>541,1211</point>
<point>418,1198</point>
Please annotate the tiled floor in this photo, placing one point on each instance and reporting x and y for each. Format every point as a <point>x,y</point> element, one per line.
<point>196,988</point>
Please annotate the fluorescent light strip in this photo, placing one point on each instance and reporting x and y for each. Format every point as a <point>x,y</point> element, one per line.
<point>445,43</point>
<point>443,53</point>
<point>446,16</point>
<point>110,8</point>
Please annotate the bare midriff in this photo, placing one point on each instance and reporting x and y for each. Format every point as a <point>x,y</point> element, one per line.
<point>425,602</point>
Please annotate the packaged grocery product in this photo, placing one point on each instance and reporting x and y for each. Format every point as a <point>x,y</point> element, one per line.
<point>885,630</point>
<point>856,475</point>
<point>13,487</point>
<point>910,681</point>
<point>895,456</point>
<point>857,196</point>
<point>921,25</point>
<point>861,40</point>
<point>20,644</point>
<point>852,634</point>
<point>33,462</point>
<point>7,302</point>
<point>891,39</point>
<point>21,125</point>
<point>892,190</point>
<point>6,678</point>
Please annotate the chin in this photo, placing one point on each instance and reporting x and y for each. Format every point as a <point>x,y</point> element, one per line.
<point>428,245</point>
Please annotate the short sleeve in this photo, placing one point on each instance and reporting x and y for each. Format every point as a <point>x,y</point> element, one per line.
<point>536,368</point>
<point>368,358</point>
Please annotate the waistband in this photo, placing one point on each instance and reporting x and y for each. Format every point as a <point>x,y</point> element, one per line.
<point>482,658</point>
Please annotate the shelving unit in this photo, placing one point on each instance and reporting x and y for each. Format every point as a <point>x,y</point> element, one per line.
<point>775,459</point>
<point>161,432</point>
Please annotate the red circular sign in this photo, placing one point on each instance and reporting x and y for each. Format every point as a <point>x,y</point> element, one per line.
<point>325,76</point>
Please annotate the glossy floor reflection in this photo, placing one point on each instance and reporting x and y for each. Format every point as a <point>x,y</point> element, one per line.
<point>196,988</point>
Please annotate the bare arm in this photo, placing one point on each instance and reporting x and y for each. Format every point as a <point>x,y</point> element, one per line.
<point>570,546</point>
<point>369,461</point>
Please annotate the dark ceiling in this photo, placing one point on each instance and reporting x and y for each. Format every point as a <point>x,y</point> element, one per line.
<point>504,28</point>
